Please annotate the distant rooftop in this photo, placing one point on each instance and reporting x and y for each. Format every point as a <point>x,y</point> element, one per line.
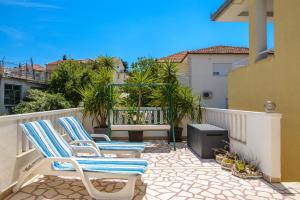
<point>180,56</point>
<point>59,61</point>
<point>35,67</point>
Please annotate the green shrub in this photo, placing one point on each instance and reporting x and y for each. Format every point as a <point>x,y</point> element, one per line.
<point>95,96</point>
<point>37,101</point>
<point>68,77</point>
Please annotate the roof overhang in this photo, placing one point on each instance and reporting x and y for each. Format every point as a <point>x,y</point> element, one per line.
<point>237,11</point>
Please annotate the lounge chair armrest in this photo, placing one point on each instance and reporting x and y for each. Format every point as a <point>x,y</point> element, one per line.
<point>61,159</point>
<point>101,136</point>
<point>78,142</point>
<point>85,149</point>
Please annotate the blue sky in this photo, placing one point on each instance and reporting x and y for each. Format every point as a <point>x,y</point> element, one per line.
<point>45,30</point>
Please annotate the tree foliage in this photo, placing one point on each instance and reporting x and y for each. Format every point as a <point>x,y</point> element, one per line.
<point>95,94</point>
<point>148,70</point>
<point>37,101</point>
<point>68,77</point>
<point>143,72</point>
<point>125,64</point>
<point>106,62</point>
<point>185,103</point>
<point>138,94</point>
<point>147,64</point>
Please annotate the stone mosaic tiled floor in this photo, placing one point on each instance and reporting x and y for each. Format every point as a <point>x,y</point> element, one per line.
<point>172,175</point>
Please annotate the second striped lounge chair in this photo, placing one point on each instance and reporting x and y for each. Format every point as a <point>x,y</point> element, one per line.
<point>77,132</point>
<point>58,160</point>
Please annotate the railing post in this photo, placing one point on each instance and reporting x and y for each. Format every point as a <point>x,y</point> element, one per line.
<point>109,111</point>
<point>171,114</point>
<point>19,138</point>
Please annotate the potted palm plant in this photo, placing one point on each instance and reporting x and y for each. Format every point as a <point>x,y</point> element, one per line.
<point>139,78</point>
<point>185,104</point>
<point>95,95</point>
<point>135,117</point>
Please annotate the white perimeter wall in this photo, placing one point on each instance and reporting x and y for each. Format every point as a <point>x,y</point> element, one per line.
<point>254,136</point>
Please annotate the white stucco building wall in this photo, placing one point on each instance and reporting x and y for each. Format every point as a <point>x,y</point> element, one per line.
<point>120,75</point>
<point>203,76</point>
<point>206,70</point>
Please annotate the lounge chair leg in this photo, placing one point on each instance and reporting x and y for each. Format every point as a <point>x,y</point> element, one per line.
<point>23,178</point>
<point>126,193</point>
<point>140,179</point>
<point>138,155</point>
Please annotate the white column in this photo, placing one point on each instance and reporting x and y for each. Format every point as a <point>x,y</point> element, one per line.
<point>257,29</point>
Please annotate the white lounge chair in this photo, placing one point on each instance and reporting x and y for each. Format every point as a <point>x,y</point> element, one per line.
<point>77,133</point>
<point>59,161</point>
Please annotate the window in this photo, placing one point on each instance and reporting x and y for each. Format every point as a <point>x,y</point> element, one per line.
<point>12,94</point>
<point>221,69</point>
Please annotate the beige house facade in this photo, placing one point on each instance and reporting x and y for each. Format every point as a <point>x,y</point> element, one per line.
<point>270,78</point>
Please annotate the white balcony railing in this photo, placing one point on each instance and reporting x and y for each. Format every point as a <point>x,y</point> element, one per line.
<point>16,151</point>
<point>234,121</point>
<point>245,61</point>
<point>240,63</point>
<point>149,115</point>
<point>253,135</point>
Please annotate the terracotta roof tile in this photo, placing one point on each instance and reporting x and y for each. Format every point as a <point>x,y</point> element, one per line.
<point>54,62</point>
<point>179,57</point>
<point>36,67</point>
<point>221,50</point>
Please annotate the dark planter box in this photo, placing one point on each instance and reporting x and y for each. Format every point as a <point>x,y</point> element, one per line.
<point>98,130</point>
<point>202,138</point>
<point>135,136</point>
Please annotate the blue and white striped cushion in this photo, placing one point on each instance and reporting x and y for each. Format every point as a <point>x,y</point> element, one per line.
<point>133,166</point>
<point>76,131</point>
<point>68,128</point>
<point>115,145</point>
<point>46,139</point>
<point>74,128</point>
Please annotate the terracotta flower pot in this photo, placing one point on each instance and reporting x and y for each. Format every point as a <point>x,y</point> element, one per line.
<point>219,158</point>
<point>177,133</point>
<point>245,175</point>
<point>135,136</point>
<point>226,165</point>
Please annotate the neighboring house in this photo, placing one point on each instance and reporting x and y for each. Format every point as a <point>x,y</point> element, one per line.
<point>205,71</point>
<point>274,78</point>
<point>35,72</point>
<point>119,74</point>
<point>53,65</point>
<point>13,90</point>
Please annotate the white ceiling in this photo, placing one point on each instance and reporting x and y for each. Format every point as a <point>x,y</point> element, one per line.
<point>238,11</point>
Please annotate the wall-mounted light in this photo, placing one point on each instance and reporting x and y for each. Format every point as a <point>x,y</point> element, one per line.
<point>269,106</point>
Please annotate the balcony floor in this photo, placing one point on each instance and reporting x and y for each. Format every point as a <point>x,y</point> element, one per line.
<point>176,175</point>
